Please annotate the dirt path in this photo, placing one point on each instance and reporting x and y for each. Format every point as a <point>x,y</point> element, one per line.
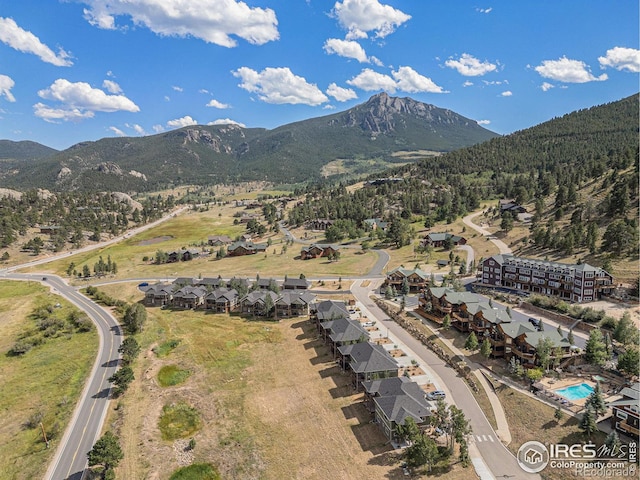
<point>468,220</point>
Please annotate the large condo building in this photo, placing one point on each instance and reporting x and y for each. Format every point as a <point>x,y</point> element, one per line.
<point>572,282</point>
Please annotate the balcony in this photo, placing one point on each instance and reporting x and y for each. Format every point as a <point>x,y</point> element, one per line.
<point>529,357</point>
<point>625,427</point>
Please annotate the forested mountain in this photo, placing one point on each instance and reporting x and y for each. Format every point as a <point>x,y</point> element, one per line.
<point>24,150</point>
<point>577,173</point>
<point>229,153</point>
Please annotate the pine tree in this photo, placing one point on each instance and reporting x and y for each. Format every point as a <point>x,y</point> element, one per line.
<point>485,348</point>
<point>595,401</point>
<point>106,452</point>
<point>472,342</point>
<point>588,423</point>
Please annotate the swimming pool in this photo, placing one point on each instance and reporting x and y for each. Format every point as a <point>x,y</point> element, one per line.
<point>576,392</point>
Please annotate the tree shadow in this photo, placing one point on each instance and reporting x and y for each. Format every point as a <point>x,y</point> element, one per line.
<point>111,363</point>
<point>104,393</point>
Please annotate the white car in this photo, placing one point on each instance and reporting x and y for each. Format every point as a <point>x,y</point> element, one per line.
<point>436,395</point>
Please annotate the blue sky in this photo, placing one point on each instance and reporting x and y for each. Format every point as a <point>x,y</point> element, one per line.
<point>76,70</point>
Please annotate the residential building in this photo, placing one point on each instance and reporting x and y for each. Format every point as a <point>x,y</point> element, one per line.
<point>376,224</point>
<point>572,282</point>
<point>238,249</point>
<point>393,400</point>
<point>441,239</point>
<point>218,240</point>
<point>343,331</point>
<point>328,310</point>
<point>366,361</point>
<point>320,224</point>
<point>222,300</point>
<point>255,303</point>
<point>296,284</point>
<point>189,297</point>
<point>318,250</point>
<point>158,295</point>
<point>293,303</point>
<point>625,416</point>
<point>416,279</point>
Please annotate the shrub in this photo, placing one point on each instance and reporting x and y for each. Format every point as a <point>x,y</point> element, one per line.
<point>20,348</point>
<point>609,323</point>
<point>196,471</point>
<point>178,420</point>
<point>170,375</point>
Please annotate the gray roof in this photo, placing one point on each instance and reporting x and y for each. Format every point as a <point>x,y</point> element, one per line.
<point>368,358</point>
<point>344,330</point>
<point>292,297</point>
<point>385,387</point>
<point>330,310</point>
<point>406,272</point>
<point>398,408</point>
<point>296,282</point>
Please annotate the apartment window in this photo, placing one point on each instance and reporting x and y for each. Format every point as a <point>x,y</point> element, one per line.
<point>522,278</point>
<point>588,275</point>
<point>588,283</point>
<point>485,269</point>
<point>621,414</point>
<point>588,292</point>
<point>491,262</point>
<point>525,271</point>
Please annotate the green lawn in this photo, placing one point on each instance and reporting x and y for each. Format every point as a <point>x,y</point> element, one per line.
<point>42,385</point>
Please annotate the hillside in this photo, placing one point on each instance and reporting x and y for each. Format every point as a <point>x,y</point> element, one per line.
<point>228,153</point>
<point>577,175</point>
<point>24,150</point>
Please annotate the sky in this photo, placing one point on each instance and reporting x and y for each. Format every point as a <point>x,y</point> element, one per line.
<point>78,70</point>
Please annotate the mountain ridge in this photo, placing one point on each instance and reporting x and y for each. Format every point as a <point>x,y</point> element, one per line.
<point>294,152</point>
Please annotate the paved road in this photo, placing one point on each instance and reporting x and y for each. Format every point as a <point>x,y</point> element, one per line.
<point>70,460</point>
<point>497,457</point>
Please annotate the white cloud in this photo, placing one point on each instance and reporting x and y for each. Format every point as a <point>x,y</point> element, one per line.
<point>213,21</point>
<point>203,90</point>
<point>408,80</point>
<point>621,58</point>
<point>216,104</point>
<point>346,48</point>
<point>177,89</point>
<point>467,84</point>
<point>329,107</point>
<point>111,86</point>
<point>506,93</point>
<point>6,84</point>
<point>483,122</point>
<point>226,121</point>
<point>568,71</point>
<point>117,131</point>
<point>137,128</point>
<point>361,16</point>
<point>49,114</point>
<point>24,41</point>
<point>167,98</point>
<point>341,94</point>
<point>484,10</point>
<point>280,85</point>
<point>182,122</point>
<point>469,66</point>
<point>546,86</point>
<point>158,128</point>
<point>369,80</point>
<point>83,96</point>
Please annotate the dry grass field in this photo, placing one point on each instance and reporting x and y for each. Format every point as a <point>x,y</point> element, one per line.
<point>192,229</point>
<point>42,385</point>
<point>273,404</point>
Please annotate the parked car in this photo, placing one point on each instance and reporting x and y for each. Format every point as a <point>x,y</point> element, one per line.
<point>436,395</point>
<point>534,321</point>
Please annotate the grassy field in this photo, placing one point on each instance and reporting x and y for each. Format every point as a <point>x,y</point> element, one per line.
<point>42,385</point>
<point>193,228</point>
<point>272,402</point>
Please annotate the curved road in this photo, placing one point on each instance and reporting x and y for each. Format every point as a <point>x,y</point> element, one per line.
<point>70,460</point>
